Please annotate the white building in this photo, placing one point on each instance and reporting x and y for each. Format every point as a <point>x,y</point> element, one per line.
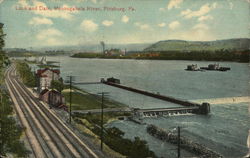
<point>45,76</point>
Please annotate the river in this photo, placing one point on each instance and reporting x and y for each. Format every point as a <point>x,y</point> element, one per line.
<point>224,130</point>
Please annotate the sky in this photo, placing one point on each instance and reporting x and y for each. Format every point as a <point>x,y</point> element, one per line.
<point>41,23</point>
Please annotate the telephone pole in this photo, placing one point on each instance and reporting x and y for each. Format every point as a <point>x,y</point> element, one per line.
<point>179,148</point>
<point>102,106</point>
<point>70,94</point>
<point>70,97</point>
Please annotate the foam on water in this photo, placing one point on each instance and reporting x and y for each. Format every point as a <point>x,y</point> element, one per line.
<point>228,100</point>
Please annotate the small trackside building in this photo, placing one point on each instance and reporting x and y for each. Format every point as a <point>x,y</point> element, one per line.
<point>44,95</point>
<point>52,97</point>
<point>45,76</point>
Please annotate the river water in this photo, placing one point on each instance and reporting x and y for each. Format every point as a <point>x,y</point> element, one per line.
<point>224,130</point>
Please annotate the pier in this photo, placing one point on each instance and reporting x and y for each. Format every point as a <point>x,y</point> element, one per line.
<point>191,107</point>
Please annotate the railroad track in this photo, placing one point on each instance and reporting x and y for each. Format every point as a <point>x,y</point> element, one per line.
<point>48,136</point>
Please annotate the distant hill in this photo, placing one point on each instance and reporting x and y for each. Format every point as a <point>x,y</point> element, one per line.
<point>186,46</point>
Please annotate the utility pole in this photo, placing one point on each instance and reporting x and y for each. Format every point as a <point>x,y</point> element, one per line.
<point>179,149</point>
<point>70,80</point>
<point>103,94</point>
<point>102,122</point>
<point>70,97</point>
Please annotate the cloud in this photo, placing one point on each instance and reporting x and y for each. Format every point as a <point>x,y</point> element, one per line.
<point>40,21</point>
<point>89,26</point>
<point>214,5</point>
<point>174,4</point>
<point>107,23</point>
<point>202,11</point>
<point>125,18</point>
<point>162,9</point>
<point>200,26</point>
<point>193,35</point>
<point>231,5</point>
<point>50,37</point>
<point>53,41</point>
<point>23,3</point>
<point>48,33</point>
<point>162,24</point>
<point>204,18</point>
<point>142,26</point>
<point>1,1</point>
<point>138,37</point>
<point>199,32</point>
<point>173,25</point>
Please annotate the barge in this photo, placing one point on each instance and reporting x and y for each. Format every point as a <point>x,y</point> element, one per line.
<point>210,67</point>
<point>215,67</point>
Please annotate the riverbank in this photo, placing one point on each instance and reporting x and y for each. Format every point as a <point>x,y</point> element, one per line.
<point>185,143</point>
<point>171,55</point>
<point>90,124</point>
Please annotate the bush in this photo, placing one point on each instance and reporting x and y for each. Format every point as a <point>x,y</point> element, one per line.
<point>10,131</point>
<point>113,137</point>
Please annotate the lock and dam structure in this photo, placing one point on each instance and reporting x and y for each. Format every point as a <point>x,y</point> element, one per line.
<point>186,106</point>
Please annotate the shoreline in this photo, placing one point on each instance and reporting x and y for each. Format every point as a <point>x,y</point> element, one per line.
<point>162,59</point>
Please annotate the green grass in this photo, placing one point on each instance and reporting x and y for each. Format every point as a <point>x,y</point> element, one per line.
<point>81,102</point>
<point>86,101</point>
<point>96,118</point>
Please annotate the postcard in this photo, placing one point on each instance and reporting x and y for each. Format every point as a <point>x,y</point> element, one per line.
<point>125,78</point>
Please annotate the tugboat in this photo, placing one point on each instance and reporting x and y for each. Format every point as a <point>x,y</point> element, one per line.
<point>192,67</point>
<point>111,80</point>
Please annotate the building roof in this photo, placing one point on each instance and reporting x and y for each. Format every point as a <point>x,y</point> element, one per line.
<point>50,91</point>
<point>44,91</point>
<point>55,91</point>
<point>41,71</point>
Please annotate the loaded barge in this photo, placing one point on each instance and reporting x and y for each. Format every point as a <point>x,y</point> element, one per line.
<point>215,67</point>
<point>212,67</point>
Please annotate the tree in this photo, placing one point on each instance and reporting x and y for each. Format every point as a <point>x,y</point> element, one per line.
<point>10,132</point>
<point>1,36</point>
<point>58,85</point>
